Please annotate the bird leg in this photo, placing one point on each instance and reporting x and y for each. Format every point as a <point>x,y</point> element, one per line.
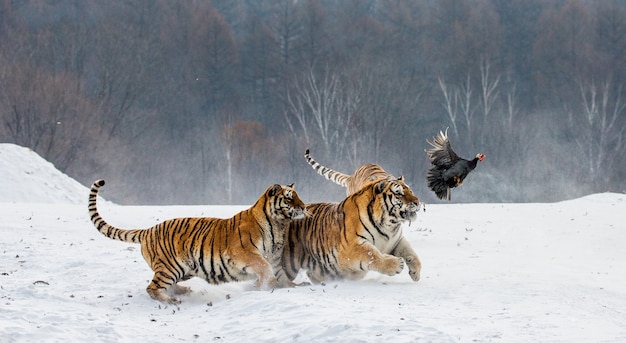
<point>457,180</point>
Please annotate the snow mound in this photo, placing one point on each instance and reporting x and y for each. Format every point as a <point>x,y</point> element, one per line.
<point>25,177</point>
<point>601,198</point>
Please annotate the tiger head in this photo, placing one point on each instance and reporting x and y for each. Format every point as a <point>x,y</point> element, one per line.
<point>284,203</point>
<point>396,202</point>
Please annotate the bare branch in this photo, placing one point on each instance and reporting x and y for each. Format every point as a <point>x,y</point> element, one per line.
<point>325,107</point>
<point>450,104</point>
<point>466,104</point>
<point>489,88</point>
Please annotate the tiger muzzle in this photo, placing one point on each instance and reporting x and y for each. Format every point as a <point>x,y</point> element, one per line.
<point>410,213</point>
<point>298,213</point>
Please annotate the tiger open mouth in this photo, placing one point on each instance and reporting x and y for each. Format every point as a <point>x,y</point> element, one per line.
<point>410,213</point>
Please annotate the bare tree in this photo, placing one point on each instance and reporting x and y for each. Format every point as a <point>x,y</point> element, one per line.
<point>489,88</point>
<point>389,102</point>
<point>459,99</point>
<point>228,141</point>
<point>123,60</point>
<point>511,107</point>
<point>488,96</point>
<point>323,106</point>
<point>466,106</point>
<point>287,29</point>
<point>601,130</point>
<point>451,103</point>
<point>44,112</point>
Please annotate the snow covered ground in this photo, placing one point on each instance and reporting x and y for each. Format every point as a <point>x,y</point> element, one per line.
<point>491,273</point>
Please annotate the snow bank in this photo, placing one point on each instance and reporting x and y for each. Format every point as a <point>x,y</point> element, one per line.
<point>27,177</point>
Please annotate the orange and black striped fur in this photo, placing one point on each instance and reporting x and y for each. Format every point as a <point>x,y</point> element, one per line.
<point>362,176</point>
<point>346,240</point>
<point>244,247</point>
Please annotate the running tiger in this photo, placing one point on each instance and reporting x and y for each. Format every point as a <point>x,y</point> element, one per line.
<point>243,247</point>
<point>362,176</point>
<point>359,234</point>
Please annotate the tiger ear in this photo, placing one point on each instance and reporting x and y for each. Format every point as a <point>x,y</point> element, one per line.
<point>275,189</point>
<point>379,187</point>
<point>401,178</point>
<point>291,185</point>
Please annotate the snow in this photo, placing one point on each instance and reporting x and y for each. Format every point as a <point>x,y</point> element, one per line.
<point>27,177</point>
<point>538,272</point>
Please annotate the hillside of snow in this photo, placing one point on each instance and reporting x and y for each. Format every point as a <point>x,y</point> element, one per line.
<point>27,177</point>
<point>542,272</point>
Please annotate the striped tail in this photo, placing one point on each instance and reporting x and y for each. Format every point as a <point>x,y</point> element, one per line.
<point>130,236</point>
<point>339,178</point>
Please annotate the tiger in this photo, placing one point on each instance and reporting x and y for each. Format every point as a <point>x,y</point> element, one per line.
<point>362,233</point>
<point>363,175</point>
<point>246,246</point>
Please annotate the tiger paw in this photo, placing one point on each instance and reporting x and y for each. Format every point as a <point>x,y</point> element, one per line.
<point>415,275</point>
<point>400,265</point>
<point>160,295</point>
<point>415,267</point>
<point>173,301</point>
<point>287,284</point>
<point>266,285</point>
<point>169,299</point>
<point>395,266</point>
<point>303,283</point>
<point>178,289</point>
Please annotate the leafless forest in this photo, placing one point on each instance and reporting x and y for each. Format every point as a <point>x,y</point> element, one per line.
<point>209,102</point>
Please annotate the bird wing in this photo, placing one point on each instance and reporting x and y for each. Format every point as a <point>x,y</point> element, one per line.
<point>441,154</point>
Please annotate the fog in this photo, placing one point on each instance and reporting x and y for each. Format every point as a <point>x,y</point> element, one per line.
<point>211,102</point>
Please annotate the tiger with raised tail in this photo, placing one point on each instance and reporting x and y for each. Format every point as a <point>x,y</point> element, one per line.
<point>346,240</point>
<point>362,176</point>
<point>247,246</point>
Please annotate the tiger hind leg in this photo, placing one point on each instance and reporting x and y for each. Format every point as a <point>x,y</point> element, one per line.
<point>159,287</point>
<point>263,270</point>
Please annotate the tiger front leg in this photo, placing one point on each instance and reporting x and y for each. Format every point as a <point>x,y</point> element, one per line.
<point>404,250</point>
<point>368,257</point>
<point>256,264</point>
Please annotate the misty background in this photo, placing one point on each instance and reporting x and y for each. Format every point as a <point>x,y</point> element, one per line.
<point>209,102</point>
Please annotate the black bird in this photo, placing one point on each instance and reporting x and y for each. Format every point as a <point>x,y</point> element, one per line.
<point>448,170</point>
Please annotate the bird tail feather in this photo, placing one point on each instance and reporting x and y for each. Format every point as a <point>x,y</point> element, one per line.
<point>437,184</point>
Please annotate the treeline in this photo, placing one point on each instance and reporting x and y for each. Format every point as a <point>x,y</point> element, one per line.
<point>209,102</point>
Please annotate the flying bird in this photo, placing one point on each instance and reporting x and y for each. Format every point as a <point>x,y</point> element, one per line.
<point>448,170</point>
